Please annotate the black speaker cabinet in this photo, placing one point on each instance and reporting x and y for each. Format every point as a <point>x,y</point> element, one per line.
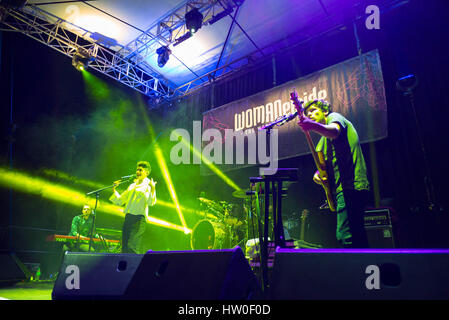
<point>198,275</point>
<point>166,275</point>
<point>379,228</point>
<point>380,237</point>
<point>94,275</point>
<point>364,274</point>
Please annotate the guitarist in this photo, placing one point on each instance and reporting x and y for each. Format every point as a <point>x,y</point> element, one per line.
<point>346,169</point>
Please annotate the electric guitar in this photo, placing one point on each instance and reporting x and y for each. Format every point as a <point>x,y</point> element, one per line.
<point>304,214</point>
<point>318,157</point>
<point>301,243</point>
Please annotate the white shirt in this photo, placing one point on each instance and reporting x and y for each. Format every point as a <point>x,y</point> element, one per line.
<point>137,198</point>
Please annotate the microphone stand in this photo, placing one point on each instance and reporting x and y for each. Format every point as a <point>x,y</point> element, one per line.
<point>263,240</point>
<point>97,195</point>
<point>406,85</point>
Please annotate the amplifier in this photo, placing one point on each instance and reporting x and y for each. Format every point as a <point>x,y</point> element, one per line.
<point>379,228</point>
<point>378,217</point>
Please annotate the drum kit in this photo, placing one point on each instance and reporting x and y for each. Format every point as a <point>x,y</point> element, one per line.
<point>224,225</point>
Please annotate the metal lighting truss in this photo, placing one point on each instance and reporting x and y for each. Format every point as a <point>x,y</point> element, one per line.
<point>171,29</point>
<point>127,63</point>
<point>68,39</point>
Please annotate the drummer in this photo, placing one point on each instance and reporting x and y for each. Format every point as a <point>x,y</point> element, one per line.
<point>235,218</point>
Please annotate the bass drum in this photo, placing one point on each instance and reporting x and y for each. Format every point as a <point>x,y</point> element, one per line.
<point>209,234</point>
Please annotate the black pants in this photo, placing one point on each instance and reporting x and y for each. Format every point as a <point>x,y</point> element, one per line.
<point>133,230</point>
<point>350,218</point>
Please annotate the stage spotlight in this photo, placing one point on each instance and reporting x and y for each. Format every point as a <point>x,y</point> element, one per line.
<point>407,83</point>
<point>194,20</point>
<point>81,59</point>
<point>163,55</point>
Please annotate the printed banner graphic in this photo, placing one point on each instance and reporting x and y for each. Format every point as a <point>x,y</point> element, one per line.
<point>355,88</point>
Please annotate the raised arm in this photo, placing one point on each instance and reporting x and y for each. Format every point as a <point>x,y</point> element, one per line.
<point>330,131</point>
<point>151,199</point>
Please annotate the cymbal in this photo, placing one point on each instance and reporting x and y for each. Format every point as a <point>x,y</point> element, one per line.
<point>212,205</point>
<point>240,193</point>
<point>206,200</point>
<point>208,215</point>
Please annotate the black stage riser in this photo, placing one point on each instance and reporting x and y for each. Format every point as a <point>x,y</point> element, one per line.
<point>322,274</point>
<point>182,275</point>
<point>12,269</point>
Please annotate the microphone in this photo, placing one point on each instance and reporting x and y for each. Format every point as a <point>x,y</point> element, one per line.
<point>129,177</point>
<point>280,121</point>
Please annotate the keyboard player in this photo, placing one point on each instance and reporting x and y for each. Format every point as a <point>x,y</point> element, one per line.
<point>81,226</point>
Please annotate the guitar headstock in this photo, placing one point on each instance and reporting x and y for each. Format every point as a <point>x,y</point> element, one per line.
<point>304,214</point>
<point>298,103</point>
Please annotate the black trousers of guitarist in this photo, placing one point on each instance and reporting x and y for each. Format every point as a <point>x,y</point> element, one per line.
<point>350,223</point>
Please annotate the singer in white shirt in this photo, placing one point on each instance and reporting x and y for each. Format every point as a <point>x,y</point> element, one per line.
<point>137,198</point>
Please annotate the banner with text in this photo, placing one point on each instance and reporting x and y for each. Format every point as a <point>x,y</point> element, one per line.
<point>231,138</point>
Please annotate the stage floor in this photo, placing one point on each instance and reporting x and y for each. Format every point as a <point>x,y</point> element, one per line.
<point>27,290</point>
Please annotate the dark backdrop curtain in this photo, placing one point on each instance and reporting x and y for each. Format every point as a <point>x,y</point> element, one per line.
<point>411,39</point>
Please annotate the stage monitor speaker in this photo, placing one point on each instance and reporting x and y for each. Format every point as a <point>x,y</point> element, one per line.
<point>194,275</point>
<point>95,275</point>
<point>158,275</point>
<point>360,274</point>
<point>13,270</point>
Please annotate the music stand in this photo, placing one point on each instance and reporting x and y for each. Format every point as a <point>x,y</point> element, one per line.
<point>276,180</point>
<point>273,186</point>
